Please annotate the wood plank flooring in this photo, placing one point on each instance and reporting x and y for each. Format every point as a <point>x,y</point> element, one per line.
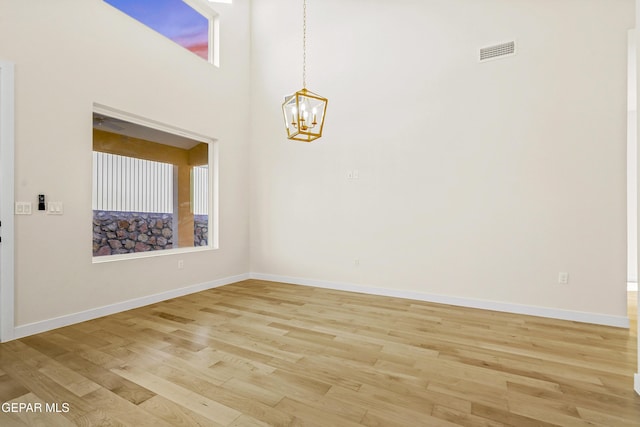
<point>260,353</point>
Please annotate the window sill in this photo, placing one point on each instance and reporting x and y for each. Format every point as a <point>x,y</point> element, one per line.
<point>149,254</point>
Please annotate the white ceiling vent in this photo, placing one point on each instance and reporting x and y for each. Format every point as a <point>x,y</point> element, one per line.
<point>502,50</point>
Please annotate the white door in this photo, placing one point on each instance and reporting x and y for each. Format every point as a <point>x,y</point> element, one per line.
<point>6,200</point>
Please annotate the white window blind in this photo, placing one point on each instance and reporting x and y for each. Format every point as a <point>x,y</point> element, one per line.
<point>200,190</point>
<point>131,185</point>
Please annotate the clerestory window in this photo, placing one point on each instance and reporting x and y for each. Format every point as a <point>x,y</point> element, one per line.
<point>190,23</point>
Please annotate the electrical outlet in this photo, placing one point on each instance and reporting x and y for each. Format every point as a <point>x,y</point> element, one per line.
<point>563,278</point>
<point>180,264</point>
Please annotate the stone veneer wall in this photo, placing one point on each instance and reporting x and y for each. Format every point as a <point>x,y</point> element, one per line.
<point>201,230</point>
<point>127,232</point>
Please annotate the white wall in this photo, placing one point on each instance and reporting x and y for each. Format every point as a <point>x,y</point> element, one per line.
<point>70,54</point>
<point>478,181</point>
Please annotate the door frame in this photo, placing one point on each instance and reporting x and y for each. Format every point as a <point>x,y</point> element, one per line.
<point>7,137</point>
<point>636,378</point>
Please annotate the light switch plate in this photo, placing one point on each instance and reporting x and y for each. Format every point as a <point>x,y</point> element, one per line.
<point>55,208</point>
<point>23,208</point>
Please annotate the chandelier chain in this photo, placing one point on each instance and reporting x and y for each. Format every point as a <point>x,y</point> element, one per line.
<point>304,111</point>
<point>304,43</point>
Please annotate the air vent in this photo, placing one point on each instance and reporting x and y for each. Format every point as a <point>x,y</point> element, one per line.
<point>497,51</point>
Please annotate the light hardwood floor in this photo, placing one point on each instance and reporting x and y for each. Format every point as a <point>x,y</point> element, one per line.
<point>260,353</point>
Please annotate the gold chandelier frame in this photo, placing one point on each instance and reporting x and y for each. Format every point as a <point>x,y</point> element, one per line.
<point>304,111</point>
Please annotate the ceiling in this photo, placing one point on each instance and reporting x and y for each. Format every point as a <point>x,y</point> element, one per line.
<point>133,130</point>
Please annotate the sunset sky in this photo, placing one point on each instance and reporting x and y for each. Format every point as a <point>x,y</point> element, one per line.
<point>171,18</point>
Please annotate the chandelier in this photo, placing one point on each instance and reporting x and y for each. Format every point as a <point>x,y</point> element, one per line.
<point>304,110</point>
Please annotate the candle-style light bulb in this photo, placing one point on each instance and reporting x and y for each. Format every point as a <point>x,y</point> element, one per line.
<point>303,111</point>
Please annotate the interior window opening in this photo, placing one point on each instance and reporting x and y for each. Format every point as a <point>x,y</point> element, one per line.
<point>150,189</point>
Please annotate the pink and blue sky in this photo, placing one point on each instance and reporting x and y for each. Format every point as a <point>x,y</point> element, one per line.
<point>172,18</point>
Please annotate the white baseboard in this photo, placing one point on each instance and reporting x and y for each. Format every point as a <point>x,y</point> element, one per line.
<point>576,316</point>
<point>58,322</point>
<point>636,383</point>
